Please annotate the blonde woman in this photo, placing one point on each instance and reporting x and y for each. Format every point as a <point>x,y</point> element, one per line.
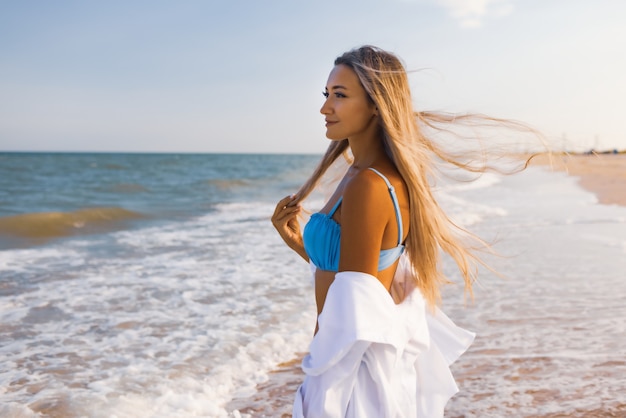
<point>381,347</point>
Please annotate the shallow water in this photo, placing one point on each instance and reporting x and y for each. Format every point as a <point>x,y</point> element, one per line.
<point>550,333</point>
<point>171,315</point>
<point>192,309</point>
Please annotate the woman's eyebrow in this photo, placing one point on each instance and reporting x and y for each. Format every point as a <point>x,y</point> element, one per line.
<point>337,87</point>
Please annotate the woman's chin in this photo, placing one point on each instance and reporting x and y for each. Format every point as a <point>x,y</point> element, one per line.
<point>333,137</point>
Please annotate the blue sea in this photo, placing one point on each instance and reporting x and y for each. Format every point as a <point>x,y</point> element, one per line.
<point>154,285</point>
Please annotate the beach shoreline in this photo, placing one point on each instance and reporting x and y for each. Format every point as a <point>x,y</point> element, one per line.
<point>602,174</point>
<point>274,397</point>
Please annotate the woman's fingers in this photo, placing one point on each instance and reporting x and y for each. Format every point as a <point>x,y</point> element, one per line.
<point>284,204</point>
<point>284,219</point>
<point>285,214</point>
<point>281,204</point>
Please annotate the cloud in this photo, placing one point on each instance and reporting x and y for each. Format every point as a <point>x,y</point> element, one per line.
<point>471,13</point>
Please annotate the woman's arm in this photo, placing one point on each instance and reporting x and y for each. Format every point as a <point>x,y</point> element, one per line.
<point>365,213</point>
<point>323,280</point>
<point>285,220</point>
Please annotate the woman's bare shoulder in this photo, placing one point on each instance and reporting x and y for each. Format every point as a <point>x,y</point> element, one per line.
<point>364,187</point>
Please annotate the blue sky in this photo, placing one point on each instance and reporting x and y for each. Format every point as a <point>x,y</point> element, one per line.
<point>247,76</point>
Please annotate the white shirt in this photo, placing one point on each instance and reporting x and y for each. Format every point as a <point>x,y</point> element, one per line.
<point>372,357</point>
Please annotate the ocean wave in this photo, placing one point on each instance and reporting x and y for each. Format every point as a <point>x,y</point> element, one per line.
<point>483,181</point>
<point>223,184</point>
<point>44,225</point>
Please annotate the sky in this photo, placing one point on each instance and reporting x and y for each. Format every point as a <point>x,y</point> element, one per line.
<point>247,76</point>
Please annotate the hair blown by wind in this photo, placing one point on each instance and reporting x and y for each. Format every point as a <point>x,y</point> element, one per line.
<point>409,138</point>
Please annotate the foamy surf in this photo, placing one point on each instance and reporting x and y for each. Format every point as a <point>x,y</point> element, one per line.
<point>548,332</point>
<point>191,311</point>
<point>180,320</point>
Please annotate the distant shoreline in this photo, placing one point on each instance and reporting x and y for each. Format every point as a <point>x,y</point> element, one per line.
<point>602,173</point>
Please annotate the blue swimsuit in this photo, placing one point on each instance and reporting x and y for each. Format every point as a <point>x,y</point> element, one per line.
<point>322,235</point>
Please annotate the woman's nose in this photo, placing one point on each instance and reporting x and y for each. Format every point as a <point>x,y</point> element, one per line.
<point>325,109</point>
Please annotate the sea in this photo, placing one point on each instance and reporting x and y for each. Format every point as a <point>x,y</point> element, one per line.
<point>154,285</point>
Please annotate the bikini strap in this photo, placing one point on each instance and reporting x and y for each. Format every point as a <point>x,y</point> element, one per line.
<point>332,211</point>
<point>396,206</point>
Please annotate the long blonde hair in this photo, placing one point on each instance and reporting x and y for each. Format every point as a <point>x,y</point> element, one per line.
<point>385,80</point>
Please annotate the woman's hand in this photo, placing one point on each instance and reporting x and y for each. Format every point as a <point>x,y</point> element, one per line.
<point>285,220</point>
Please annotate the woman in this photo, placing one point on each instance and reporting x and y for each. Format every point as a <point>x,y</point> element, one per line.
<point>381,347</point>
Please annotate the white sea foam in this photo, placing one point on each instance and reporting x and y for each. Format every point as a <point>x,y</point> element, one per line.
<point>176,319</point>
<point>548,330</point>
<point>474,182</point>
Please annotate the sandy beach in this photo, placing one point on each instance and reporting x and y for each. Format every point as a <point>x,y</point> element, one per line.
<point>602,174</point>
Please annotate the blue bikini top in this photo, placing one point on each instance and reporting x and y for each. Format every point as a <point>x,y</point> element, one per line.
<point>322,235</point>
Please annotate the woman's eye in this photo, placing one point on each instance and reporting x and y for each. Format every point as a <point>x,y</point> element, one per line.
<point>336,94</point>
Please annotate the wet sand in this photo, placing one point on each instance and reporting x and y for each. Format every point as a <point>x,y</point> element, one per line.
<point>273,398</point>
<point>602,174</point>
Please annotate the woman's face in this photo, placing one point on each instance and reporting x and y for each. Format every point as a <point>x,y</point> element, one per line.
<point>348,111</point>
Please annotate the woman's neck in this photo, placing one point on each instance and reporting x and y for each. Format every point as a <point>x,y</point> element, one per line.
<point>366,151</point>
